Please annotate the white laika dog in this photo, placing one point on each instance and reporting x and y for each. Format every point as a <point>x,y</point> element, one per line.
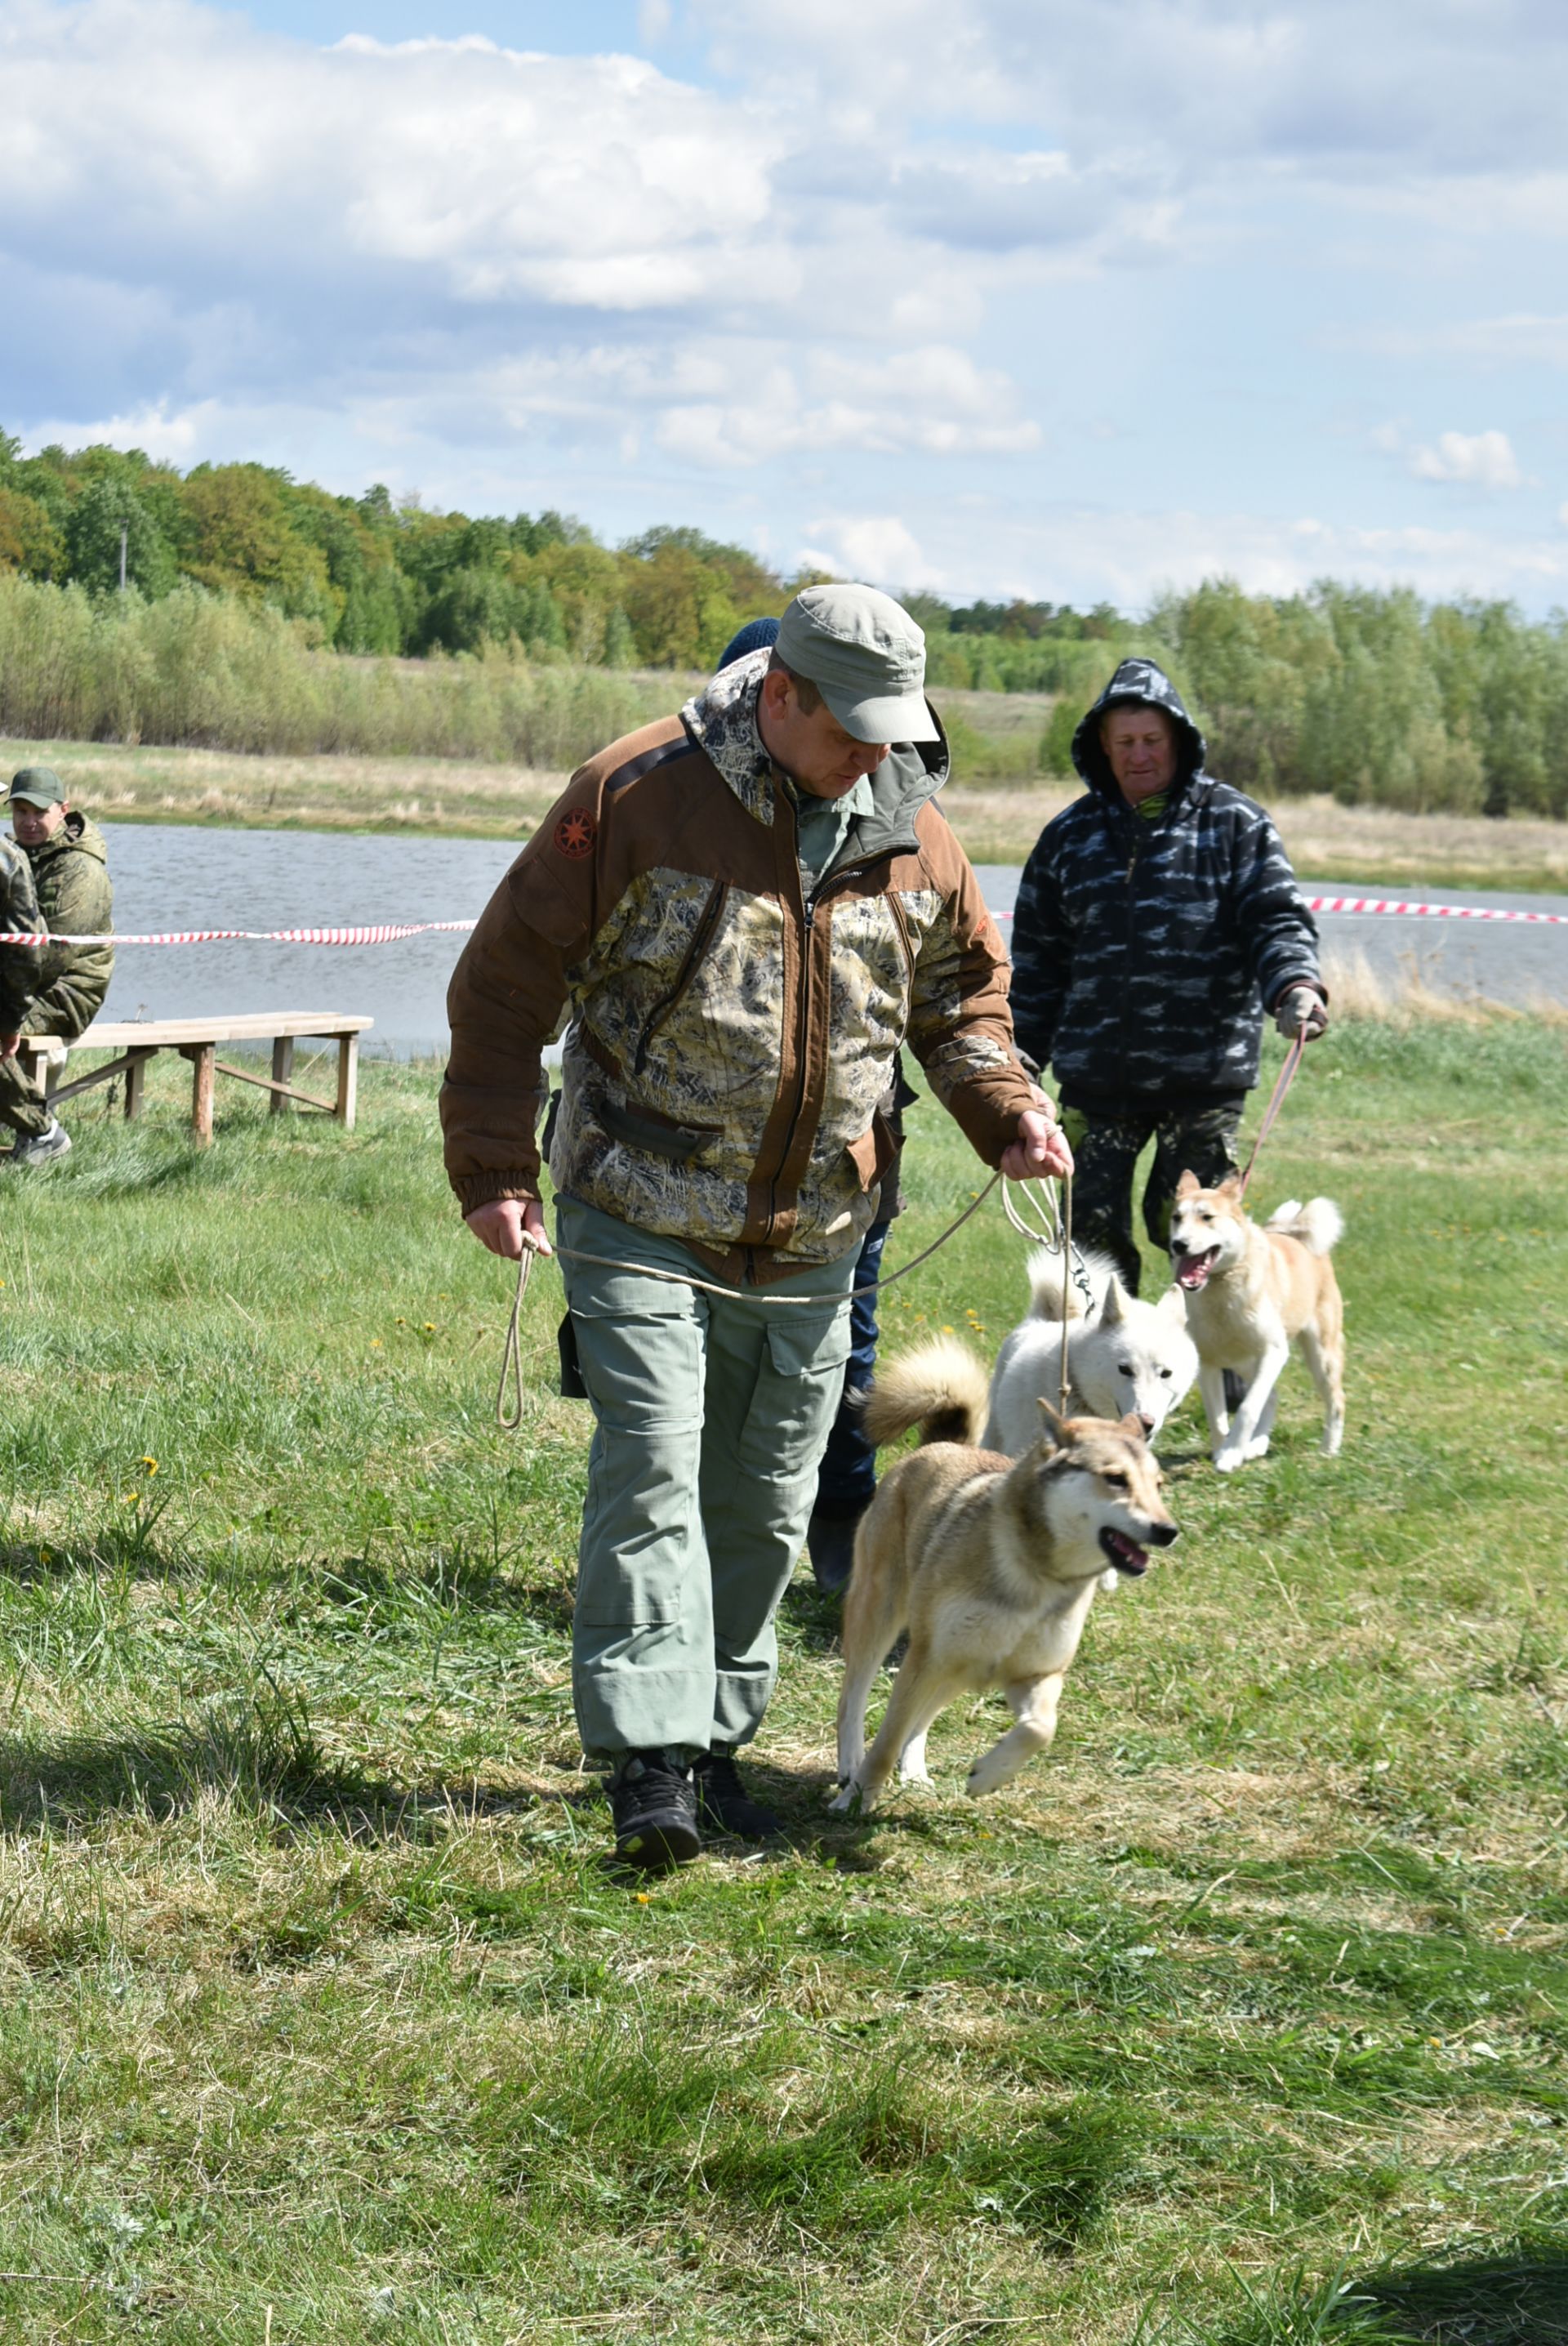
<point>1125,1358</point>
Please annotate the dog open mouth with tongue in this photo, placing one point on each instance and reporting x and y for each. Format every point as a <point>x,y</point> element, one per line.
<point>1125,1553</point>
<point>1192,1269</point>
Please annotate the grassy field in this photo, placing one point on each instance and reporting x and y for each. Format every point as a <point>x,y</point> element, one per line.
<point>1240,2020</point>
<point>998,816</point>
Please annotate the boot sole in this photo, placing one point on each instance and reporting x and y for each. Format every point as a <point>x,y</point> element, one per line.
<point>657,1848</point>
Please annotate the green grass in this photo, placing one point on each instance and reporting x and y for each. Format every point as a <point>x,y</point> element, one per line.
<point>1240,2020</point>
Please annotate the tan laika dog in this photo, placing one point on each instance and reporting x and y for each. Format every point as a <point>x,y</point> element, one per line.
<point>1252,1290</point>
<point>991,1566</point>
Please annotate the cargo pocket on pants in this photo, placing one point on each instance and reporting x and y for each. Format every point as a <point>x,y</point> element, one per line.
<point>802,1380</point>
<point>644,1377</point>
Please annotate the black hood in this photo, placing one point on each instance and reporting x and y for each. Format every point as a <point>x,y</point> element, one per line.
<point>1140,682</point>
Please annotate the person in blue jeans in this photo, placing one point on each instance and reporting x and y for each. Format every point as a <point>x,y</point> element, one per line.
<point>846,1478</point>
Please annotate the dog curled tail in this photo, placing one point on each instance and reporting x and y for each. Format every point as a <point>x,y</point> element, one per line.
<point>1318,1225</point>
<point>940,1386</point>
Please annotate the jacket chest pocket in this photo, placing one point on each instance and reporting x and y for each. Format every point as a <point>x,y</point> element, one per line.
<point>701,937</point>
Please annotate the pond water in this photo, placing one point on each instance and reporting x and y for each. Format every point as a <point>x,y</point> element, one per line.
<point>169,876</point>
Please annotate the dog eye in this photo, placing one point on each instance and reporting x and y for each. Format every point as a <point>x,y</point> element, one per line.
<point>1165,1372</point>
<point>1118,1482</point>
<point>1124,1369</point>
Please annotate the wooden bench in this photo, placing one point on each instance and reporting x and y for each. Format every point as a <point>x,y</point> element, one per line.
<point>135,1041</point>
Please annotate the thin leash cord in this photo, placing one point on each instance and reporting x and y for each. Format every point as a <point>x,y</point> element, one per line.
<point>1276,1100</point>
<point>512,1350</point>
<point>1067,1267</point>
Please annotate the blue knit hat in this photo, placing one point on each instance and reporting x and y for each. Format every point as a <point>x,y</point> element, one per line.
<point>756,636</point>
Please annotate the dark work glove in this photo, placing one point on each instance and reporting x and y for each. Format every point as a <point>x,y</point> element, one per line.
<point>1299,1006</point>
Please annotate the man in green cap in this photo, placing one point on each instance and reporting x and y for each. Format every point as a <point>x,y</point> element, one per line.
<point>69,862</point>
<point>742,912</point>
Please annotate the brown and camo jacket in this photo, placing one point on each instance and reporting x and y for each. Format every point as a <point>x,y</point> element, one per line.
<point>727,1045</point>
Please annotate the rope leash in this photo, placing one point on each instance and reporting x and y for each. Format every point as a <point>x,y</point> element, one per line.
<point>1276,1100</point>
<point>512,1350</point>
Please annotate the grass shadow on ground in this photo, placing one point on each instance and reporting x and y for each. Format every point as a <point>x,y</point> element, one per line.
<point>1517,2299</point>
<point>261,1755</point>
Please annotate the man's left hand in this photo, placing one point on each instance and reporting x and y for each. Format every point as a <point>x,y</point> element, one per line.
<point>1040,1148</point>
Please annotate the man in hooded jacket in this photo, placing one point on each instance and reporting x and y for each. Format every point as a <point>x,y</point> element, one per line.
<point>744,909</point>
<point>1157,919</point>
<point>69,864</point>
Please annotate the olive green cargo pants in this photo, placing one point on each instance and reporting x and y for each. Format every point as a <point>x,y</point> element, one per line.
<point>711,1416</point>
<point>23,1103</point>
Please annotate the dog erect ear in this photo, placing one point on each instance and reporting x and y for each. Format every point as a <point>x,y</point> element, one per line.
<point>1114,1310</point>
<point>1055,1426</point>
<point>1188,1186</point>
<point>1230,1187</point>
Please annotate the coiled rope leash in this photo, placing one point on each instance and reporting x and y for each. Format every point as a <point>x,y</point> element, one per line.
<point>512,1350</point>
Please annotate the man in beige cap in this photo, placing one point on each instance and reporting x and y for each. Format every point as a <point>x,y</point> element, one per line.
<point>743,911</point>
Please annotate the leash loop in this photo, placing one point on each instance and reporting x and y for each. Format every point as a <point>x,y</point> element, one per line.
<point>512,1352</point>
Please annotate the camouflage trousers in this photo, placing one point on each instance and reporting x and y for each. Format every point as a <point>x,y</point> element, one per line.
<point>22,1099</point>
<point>1107,1149</point>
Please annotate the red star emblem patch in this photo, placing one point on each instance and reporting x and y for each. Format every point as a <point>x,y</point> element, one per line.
<point>575,833</point>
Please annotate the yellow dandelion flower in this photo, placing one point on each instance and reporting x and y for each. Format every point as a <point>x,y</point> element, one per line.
<point>642,1898</point>
<point>131,1498</point>
<point>150,1464</point>
<point>375,1343</point>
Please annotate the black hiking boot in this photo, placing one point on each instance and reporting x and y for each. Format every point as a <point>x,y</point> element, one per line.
<point>1235,1391</point>
<point>723,1802</point>
<point>655,1810</point>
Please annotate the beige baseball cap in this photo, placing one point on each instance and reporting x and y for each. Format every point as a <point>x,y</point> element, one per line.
<point>865,656</point>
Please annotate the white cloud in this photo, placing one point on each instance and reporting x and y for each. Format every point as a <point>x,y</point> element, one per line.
<point>876,547</point>
<point>1481,460</point>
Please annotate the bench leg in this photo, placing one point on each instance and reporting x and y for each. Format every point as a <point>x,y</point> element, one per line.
<point>136,1083</point>
<point>282,1072</point>
<point>203,1057</point>
<point>348,1079</point>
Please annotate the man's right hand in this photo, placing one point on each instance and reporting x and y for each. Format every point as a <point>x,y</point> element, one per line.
<point>8,1045</point>
<point>1298,1006</point>
<point>507,1225</point>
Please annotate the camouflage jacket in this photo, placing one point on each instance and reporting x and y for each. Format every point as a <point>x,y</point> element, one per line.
<point>1145,952</point>
<point>19,965</point>
<point>71,872</point>
<point>729,1042</point>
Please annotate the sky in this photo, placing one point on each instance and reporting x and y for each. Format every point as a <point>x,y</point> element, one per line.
<point>1075,300</point>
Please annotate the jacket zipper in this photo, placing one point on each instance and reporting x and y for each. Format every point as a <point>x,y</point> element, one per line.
<point>808,907</point>
<point>700,937</point>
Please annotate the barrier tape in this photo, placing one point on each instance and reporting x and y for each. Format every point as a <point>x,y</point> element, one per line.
<point>386,933</point>
<point>1403,905</point>
<point>383,932</point>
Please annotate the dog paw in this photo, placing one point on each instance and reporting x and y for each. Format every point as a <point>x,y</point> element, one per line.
<point>1226,1462</point>
<point>1258,1448</point>
<point>845,1803</point>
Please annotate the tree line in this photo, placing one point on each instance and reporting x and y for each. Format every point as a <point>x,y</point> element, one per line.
<point>1368,695</point>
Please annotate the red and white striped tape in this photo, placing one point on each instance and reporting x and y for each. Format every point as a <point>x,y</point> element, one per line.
<point>1404,905</point>
<point>380,933</point>
<point>386,933</point>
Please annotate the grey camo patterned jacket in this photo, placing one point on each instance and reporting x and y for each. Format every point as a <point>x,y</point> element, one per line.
<point>1144,953</point>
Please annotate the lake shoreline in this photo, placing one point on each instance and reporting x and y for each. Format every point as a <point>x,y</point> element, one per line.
<point>434,798</point>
